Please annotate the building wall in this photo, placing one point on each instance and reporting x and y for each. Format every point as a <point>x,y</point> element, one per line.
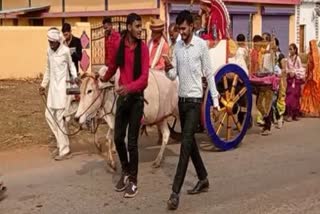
<point>72,21</point>
<point>292,29</point>
<point>52,22</point>
<point>257,22</point>
<point>84,5</point>
<point>23,22</point>
<point>7,22</point>
<point>95,20</point>
<point>20,63</point>
<point>11,4</point>
<point>306,18</point>
<point>130,4</point>
<point>55,5</point>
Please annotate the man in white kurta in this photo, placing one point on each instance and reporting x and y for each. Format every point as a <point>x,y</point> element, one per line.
<point>59,63</point>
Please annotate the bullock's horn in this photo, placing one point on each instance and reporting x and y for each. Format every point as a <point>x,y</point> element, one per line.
<point>84,75</point>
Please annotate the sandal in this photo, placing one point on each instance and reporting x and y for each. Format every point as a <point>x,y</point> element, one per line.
<point>3,189</point>
<point>63,157</point>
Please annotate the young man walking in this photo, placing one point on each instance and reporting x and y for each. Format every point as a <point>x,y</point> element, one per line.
<point>190,61</point>
<point>74,45</point>
<point>132,57</point>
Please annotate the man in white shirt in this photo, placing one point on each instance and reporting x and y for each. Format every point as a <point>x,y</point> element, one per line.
<point>190,62</point>
<point>56,75</point>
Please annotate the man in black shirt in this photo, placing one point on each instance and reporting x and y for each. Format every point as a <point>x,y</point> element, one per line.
<point>73,43</point>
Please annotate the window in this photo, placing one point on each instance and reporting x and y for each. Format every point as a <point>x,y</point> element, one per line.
<point>36,22</point>
<point>83,19</point>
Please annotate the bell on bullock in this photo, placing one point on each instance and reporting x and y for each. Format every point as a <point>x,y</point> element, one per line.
<point>73,91</point>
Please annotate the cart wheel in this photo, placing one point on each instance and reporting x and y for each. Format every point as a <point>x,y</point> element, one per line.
<point>228,126</point>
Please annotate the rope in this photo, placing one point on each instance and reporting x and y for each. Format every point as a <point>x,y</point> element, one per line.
<point>67,134</point>
<point>44,99</point>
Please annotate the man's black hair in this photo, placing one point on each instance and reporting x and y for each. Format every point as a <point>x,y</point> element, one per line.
<point>120,60</point>
<point>268,36</point>
<point>281,56</point>
<point>107,20</point>
<point>241,38</point>
<point>183,16</point>
<point>276,40</point>
<point>66,27</point>
<point>257,38</point>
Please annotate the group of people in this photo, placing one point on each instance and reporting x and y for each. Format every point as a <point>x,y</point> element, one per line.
<point>293,89</point>
<point>186,58</point>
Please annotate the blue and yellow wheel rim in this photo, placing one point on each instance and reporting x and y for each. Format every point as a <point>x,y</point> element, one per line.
<point>223,127</point>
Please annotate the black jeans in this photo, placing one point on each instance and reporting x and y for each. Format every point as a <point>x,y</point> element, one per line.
<point>129,112</point>
<point>189,118</point>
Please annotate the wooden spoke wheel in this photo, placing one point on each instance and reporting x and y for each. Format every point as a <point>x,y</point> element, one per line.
<point>228,126</point>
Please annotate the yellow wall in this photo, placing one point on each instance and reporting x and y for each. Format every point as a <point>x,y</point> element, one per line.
<point>130,4</point>
<point>7,22</point>
<point>23,22</point>
<point>52,22</point>
<point>55,5</point>
<point>72,21</point>
<point>58,21</point>
<point>162,11</point>
<point>84,5</point>
<point>257,23</point>
<point>29,60</point>
<point>292,29</point>
<point>11,4</point>
<point>95,20</point>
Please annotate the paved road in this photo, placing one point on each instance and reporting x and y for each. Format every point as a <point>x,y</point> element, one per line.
<point>275,174</point>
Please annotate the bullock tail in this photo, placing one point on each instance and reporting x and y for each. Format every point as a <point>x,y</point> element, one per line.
<point>144,130</point>
<point>173,134</point>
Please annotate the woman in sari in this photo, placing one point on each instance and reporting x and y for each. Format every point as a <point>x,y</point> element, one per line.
<point>295,79</point>
<point>310,102</point>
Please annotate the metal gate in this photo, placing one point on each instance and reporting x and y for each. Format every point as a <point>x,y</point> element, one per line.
<point>98,39</point>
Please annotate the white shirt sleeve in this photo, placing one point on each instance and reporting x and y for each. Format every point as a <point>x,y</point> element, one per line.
<point>173,73</point>
<point>209,74</point>
<point>46,76</point>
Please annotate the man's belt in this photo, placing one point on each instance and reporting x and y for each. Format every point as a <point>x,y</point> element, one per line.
<point>190,100</point>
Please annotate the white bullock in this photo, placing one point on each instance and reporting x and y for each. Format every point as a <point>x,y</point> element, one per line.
<point>99,99</point>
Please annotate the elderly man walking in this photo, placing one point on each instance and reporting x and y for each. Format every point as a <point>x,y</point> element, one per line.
<point>56,75</point>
